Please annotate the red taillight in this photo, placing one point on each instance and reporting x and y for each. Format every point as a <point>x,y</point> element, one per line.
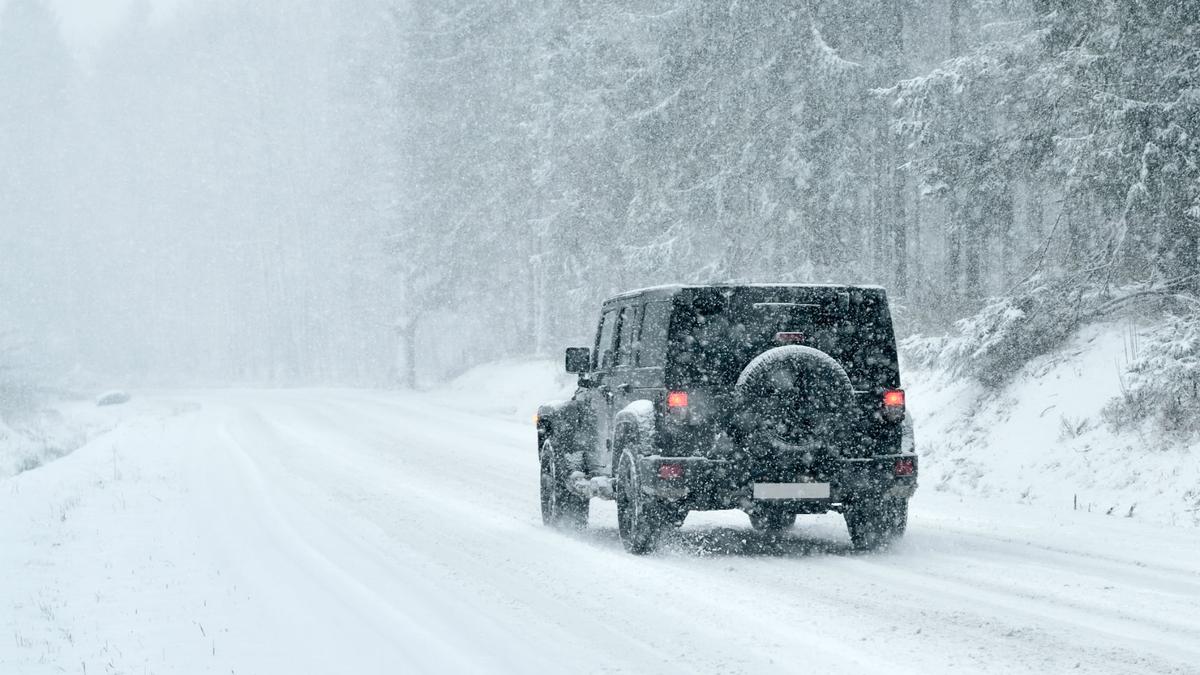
<point>670,471</point>
<point>677,399</point>
<point>893,398</point>
<point>904,467</point>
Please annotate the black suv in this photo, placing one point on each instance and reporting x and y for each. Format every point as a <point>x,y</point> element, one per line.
<point>774,399</point>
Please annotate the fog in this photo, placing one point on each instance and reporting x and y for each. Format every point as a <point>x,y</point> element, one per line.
<point>87,24</point>
<point>388,192</point>
<point>185,202</point>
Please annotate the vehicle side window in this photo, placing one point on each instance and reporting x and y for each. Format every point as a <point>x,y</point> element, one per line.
<point>652,339</point>
<point>625,341</point>
<point>604,341</point>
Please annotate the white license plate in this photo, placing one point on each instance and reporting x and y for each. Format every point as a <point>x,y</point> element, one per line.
<point>791,490</point>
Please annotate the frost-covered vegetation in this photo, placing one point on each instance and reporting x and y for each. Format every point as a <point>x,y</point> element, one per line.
<point>1009,331</point>
<point>1039,316</point>
<point>1057,433</point>
<point>1162,385</point>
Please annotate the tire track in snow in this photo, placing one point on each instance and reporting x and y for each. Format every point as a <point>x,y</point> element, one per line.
<point>454,496</point>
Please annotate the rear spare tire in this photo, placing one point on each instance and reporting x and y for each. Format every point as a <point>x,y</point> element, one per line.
<point>795,397</point>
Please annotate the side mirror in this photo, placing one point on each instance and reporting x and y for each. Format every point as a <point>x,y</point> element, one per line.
<point>579,359</point>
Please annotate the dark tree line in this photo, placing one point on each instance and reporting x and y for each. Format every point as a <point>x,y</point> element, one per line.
<point>948,150</point>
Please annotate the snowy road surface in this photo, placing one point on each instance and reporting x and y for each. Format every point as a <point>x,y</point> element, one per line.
<point>350,532</point>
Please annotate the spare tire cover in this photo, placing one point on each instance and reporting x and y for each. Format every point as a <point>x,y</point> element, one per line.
<point>794,398</point>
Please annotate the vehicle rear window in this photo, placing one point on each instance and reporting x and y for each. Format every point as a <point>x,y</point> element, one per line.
<point>714,334</point>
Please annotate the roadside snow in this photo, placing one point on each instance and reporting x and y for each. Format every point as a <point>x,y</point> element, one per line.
<point>113,397</point>
<point>1041,440</point>
<point>30,439</point>
<point>511,389</point>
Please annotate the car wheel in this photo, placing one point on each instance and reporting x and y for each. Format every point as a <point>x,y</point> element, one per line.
<point>560,507</point>
<point>876,524</point>
<point>640,519</point>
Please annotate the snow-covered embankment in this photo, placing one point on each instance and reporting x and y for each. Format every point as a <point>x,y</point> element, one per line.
<point>1042,437</point>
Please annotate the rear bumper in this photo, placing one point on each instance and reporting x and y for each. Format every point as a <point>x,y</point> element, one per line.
<point>726,484</point>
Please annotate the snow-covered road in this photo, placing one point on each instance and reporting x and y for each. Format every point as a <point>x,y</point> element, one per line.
<point>359,532</point>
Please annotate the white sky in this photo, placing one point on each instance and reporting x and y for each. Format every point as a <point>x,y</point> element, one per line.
<point>86,21</point>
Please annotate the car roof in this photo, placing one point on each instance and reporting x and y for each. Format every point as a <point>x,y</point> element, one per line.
<point>668,290</point>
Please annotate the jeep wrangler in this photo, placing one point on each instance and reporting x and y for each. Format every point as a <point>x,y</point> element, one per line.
<point>774,399</point>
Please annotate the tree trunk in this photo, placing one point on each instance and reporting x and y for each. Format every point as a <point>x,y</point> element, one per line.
<point>954,251</point>
<point>1037,212</point>
<point>406,353</point>
<point>973,244</point>
<point>879,244</point>
<point>1073,254</point>
<point>1182,257</point>
<point>1004,216</point>
<point>956,40</point>
<point>917,270</point>
<point>900,225</point>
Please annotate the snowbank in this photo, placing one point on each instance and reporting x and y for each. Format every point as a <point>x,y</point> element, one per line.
<point>33,438</point>
<point>1040,438</point>
<point>512,389</point>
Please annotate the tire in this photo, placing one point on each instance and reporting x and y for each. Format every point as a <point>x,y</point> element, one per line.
<point>771,519</point>
<point>561,508</point>
<point>641,520</point>
<point>794,397</point>
<point>675,517</point>
<point>875,525</point>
